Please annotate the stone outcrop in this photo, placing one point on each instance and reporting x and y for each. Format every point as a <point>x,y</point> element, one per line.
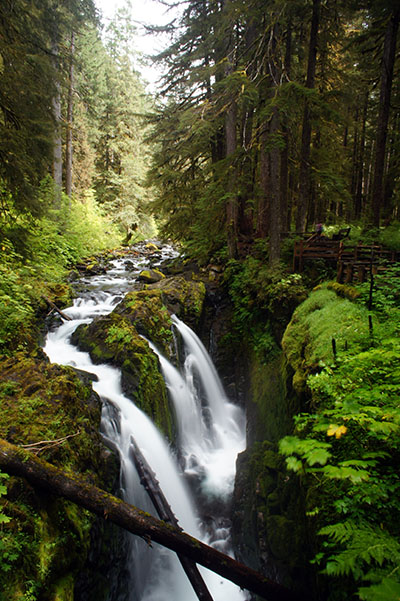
<point>54,411</point>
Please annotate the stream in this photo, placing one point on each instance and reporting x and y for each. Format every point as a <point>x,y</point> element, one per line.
<point>196,477</point>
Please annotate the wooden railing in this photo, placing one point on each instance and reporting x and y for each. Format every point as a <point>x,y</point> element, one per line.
<point>351,262</point>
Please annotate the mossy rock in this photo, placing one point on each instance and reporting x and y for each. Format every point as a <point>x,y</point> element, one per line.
<point>150,276</point>
<point>307,341</point>
<point>42,401</point>
<point>114,339</point>
<point>269,527</point>
<point>344,290</point>
<point>152,247</point>
<point>61,294</point>
<point>281,533</point>
<point>147,313</point>
<point>182,297</point>
<point>47,540</point>
<point>273,401</point>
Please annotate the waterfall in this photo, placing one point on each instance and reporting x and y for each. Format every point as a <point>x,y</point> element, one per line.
<point>211,433</point>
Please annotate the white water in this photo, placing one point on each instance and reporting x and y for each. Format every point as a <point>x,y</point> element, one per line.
<point>209,436</point>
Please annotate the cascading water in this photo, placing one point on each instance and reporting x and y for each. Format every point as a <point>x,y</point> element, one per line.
<point>211,433</point>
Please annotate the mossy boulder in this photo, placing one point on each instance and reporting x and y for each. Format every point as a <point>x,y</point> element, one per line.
<point>322,317</point>
<point>183,297</point>
<point>150,276</point>
<point>146,312</point>
<point>46,542</point>
<point>114,339</point>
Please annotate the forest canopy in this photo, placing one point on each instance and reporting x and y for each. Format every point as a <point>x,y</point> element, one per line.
<point>276,116</point>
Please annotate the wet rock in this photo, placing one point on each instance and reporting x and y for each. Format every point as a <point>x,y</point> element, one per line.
<point>150,276</point>
<point>114,339</point>
<point>48,406</point>
<point>129,265</point>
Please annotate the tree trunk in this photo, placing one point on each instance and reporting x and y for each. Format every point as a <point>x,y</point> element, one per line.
<point>230,140</point>
<point>57,142</point>
<point>150,483</point>
<point>305,169</point>
<point>232,204</point>
<point>284,169</point>
<point>41,474</point>
<point>70,110</point>
<point>360,163</point>
<point>389,54</point>
<point>263,208</point>
<point>275,205</point>
<point>392,169</point>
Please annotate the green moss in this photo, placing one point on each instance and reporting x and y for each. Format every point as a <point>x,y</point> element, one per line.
<point>64,589</point>
<point>147,313</point>
<point>344,290</point>
<point>183,297</point>
<point>151,275</point>
<point>273,401</point>
<point>113,338</point>
<point>47,537</point>
<point>324,316</point>
<point>269,510</point>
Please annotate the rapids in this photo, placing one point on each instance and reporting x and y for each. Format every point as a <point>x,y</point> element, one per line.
<point>211,432</point>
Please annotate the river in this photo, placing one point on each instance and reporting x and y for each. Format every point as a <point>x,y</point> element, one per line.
<point>198,473</point>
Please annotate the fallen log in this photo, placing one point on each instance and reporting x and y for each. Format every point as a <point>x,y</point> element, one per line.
<point>18,462</point>
<point>150,483</point>
<point>55,308</point>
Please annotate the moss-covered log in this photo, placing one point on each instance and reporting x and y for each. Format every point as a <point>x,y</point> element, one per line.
<point>18,462</point>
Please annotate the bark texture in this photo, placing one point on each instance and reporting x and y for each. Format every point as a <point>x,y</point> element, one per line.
<point>388,59</point>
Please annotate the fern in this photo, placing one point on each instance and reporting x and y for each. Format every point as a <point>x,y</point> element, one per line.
<point>364,548</point>
<point>387,590</point>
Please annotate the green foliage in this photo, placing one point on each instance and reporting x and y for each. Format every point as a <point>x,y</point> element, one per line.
<point>348,447</point>
<point>257,290</point>
<point>4,519</point>
<point>36,253</point>
<point>119,334</point>
<point>385,292</point>
<point>390,236</point>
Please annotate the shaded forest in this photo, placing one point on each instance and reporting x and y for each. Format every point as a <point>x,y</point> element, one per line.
<point>271,117</point>
<point>277,116</point>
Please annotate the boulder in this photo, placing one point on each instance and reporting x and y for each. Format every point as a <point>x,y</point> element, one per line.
<point>150,276</point>
<point>56,413</point>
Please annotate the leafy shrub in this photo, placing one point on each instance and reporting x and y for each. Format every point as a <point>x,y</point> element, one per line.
<point>348,447</point>
<point>36,252</point>
<point>390,236</point>
<point>260,295</point>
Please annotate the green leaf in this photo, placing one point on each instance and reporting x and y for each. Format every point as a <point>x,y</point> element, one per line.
<point>387,590</point>
<point>294,464</point>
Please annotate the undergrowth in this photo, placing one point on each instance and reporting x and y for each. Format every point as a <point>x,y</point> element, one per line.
<point>259,295</point>
<point>35,253</point>
<point>347,447</point>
